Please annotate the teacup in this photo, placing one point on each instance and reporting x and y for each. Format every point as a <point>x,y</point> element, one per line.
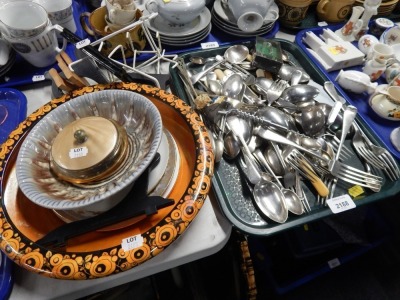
<point>60,12</point>
<point>381,52</point>
<point>334,10</point>
<point>292,12</point>
<point>249,14</point>
<point>121,12</point>
<point>94,24</point>
<point>14,25</point>
<point>177,11</point>
<point>39,50</point>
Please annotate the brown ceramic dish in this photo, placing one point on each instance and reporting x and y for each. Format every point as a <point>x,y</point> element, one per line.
<point>99,254</point>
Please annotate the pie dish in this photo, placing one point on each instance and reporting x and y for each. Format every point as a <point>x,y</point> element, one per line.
<point>103,253</point>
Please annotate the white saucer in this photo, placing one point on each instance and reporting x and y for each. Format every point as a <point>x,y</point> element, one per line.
<point>186,40</point>
<point>395,138</point>
<point>158,171</point>
<point>235,31</point>
<point>166,28</point>
<point>234,27</point>
<point>168,180</point>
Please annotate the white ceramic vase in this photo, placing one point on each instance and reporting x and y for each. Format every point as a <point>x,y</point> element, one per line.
<point>370,9</point>
<point>356,81</point>
<point>354,24</point>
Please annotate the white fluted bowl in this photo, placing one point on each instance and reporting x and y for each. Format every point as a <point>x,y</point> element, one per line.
<point>142,122</point>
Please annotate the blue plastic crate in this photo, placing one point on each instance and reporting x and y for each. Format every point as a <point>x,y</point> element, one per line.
<point>13,106</point>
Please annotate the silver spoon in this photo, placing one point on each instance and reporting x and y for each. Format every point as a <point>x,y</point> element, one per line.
<point>242,130</point>
<point>286,72</point>
<point>273,160</point>
<point>312,120</point>
<point>267,196</point>
<point>292,200</point>
<point>231,146</point>
<point>219,141</point>
<point>233,87</point>
<point>299,93</point>
<point>234,54</point>
<point>270,200</point>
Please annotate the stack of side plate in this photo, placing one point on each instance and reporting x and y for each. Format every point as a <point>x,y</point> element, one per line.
<point>223,19</point>
<point>180,34</point>
<point>386,7</point>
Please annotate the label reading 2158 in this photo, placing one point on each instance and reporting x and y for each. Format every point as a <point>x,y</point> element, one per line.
<point>341,203</point>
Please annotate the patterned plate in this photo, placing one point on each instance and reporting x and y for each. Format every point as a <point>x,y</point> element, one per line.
<point>103,253</point>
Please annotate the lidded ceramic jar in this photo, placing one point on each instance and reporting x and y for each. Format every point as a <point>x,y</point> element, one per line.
<point>88,150</point>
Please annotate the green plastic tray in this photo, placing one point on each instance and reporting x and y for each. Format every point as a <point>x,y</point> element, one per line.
<point>229,187</point>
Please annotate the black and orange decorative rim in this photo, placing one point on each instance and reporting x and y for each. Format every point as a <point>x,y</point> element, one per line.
<point>101,254</point>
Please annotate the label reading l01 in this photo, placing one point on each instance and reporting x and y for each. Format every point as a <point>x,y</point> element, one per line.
<point>78,152</point>
<point>132,242</point>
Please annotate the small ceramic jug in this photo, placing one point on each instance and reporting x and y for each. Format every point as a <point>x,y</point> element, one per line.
<point>392,70</point>
<point>374,68</point>
<point>353,25</point>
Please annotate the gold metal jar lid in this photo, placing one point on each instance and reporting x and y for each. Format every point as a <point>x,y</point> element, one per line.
<point>89,149</point>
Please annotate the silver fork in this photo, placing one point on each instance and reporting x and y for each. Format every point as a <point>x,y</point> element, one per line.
<point>298,189</point>
<point>344,172</point>
<point>276,90</point>
<point>330,183</point>
<point>392,169</point>
<point>300,163</point>
<point>333,141</point>
<point>336,168</point>
<point>364,152</point>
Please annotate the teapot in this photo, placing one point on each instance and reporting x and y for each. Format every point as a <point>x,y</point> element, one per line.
<point>177,11</point>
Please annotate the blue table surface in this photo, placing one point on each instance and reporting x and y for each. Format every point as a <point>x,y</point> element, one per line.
<point>22,72</point>
<point>380,126</point>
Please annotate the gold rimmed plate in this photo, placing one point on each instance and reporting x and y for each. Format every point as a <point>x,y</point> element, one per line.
<point>103,253</point>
